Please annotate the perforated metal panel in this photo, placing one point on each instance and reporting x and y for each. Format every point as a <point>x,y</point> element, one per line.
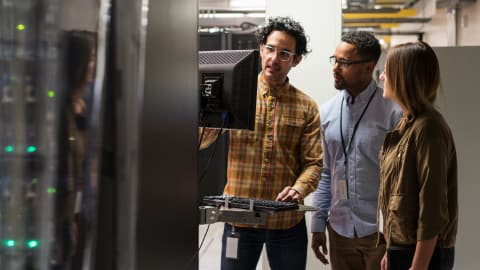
<point>230,57</point>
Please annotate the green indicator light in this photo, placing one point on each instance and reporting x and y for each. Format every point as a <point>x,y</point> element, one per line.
<point>31,149</point>
<point>9,148</point>
<point>9,243</point>
<point>51,190</point>
<point>32,244</point>
<point>51,94</point>
<point>34,181</point>
<point>20,27</point>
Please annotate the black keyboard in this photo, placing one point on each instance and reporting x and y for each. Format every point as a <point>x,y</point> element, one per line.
<point>244,203</point>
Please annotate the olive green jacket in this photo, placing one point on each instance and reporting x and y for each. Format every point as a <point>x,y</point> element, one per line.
<point>418,190</point>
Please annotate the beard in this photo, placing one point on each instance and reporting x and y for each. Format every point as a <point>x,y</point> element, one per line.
<point>339,82</point>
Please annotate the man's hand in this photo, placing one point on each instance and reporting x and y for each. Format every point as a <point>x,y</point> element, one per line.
<point>289,194</point>
<point>319,240</point>
<point>384,262</point>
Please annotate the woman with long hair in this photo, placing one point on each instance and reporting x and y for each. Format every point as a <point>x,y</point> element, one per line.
<point>418,204</point>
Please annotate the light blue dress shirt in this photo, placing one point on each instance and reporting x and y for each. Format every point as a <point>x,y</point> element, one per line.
<point>357,213</point>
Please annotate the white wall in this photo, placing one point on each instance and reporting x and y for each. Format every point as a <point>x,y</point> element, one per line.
<point>468,26</point>
<point>436,29</point>
<point>322,23</point>
<point>458,103</point>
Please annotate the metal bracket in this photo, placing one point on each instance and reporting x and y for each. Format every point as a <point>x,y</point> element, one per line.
<point>210,214</point>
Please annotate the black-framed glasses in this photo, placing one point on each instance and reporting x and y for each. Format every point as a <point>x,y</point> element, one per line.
<point>283,55</point>
<point>345,63</point>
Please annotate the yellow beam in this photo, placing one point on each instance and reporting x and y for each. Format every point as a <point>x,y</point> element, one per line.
<point>379,25</point>
<point>404,13</point>
<point>392,2</point>
<point>387,39</point>
<point>386,3</point>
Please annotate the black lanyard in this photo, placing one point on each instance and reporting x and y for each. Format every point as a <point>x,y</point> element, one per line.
<point>345,149</point>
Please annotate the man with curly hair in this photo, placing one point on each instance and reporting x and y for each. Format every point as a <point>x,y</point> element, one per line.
<point>280,160</point>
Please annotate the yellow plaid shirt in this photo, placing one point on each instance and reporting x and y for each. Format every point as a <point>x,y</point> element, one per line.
<point>283,150</point>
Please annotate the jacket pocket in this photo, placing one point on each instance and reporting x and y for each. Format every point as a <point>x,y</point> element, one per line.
<point>398,221</point>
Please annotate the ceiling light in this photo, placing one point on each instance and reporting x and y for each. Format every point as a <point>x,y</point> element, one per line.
<point>247,4</point>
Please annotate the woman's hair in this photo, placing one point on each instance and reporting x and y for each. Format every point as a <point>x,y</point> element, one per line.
<point>413,74</point>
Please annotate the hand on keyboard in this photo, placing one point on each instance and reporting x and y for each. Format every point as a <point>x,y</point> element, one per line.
<point>289,194</point>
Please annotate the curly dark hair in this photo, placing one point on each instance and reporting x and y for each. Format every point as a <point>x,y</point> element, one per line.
<point>287,25</point>
<point>367,44</point>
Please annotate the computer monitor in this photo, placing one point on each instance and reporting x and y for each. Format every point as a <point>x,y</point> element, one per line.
<point>228,88</point>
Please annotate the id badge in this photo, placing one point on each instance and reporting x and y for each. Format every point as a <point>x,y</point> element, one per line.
<point>231,250</point>
<point>342,189</point>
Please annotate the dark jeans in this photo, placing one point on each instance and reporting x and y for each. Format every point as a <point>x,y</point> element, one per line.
<point>401,257</point>
<point>286,249</point>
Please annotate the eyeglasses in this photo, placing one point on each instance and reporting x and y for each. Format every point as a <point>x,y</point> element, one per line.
<point>283,55</point>
<point>345,63</point>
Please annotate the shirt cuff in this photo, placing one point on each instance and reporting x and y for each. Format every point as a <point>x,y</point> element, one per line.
<point>301,188</point>
<point>318,224</point>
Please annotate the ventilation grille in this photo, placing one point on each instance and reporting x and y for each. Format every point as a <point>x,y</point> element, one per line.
<point>222,57</point>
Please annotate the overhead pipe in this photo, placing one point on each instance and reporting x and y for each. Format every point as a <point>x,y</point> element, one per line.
<point>388,20</point>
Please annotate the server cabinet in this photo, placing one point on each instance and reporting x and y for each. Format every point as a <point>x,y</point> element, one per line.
<point>98,157</point>
<point>167,217</point>
<point>156,100</point>
<point>51,83</point>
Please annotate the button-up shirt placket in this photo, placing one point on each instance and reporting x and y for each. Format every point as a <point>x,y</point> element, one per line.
<point>267,152</point>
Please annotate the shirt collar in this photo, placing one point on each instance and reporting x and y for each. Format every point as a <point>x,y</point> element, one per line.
<point>364,96</point>
<point>275,92</point>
